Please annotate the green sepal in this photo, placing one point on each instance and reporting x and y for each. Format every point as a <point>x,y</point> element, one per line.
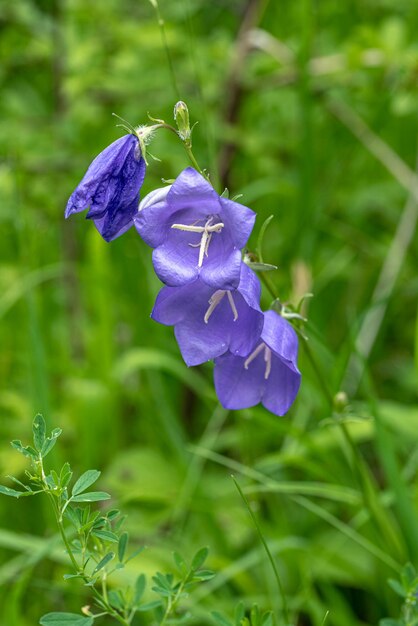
<point>256,266</point>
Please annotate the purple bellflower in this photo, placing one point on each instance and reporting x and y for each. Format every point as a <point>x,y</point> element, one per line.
<point>194,232</point>
<point>208,323</point>
<point>110,188</point>
<point>269,374</point>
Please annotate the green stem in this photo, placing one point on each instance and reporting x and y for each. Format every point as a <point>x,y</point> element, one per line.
<point>103,598</point>
<point>172,603</point>
<point>187,146</point>
<point>161,25</point>
<point>267,549</point>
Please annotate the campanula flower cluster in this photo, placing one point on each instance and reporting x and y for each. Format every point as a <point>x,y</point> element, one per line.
<point>210,296</point>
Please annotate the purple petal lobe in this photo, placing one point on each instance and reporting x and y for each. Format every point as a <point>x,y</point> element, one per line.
<point>237,387</point>
<point>175,261</point>
<point>221,269</point>
<point>174,304</point>
<point>281,389</point>
<point>153,220</point>
<point>191,191</point>
<point>280,336</point>
<point>238,219</point>
<point>250,287</point>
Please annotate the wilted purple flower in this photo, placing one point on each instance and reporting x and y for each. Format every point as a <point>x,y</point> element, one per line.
<point>110,188</point>
<point>195,232</point>
<point>269,374</point>
<point>207,322</point>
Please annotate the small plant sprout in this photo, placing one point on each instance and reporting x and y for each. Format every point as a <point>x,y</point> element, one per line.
<point>96,544</point>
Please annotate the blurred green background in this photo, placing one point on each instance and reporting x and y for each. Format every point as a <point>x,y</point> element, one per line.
<point>309,109</point>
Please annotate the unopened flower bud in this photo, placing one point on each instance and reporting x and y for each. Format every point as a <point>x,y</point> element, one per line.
<point>340,401</point>
<point>181,116</point>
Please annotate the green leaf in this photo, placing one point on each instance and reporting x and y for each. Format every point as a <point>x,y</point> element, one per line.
<point>65,619</point>
<point>85,480</point>
<point>7,491</point>
<point>27,451</point>
<point>180,563</point>
<point>149,606</point>
<point>220,619</point>
<point>239,613</point>
<point>203,574</point>
<point>92,496</point>
<point>116,599</point>
<point>72,515</point>
<point>199,558</point>
<point>65,475</point>
<point>105,535</point>
<point>50,441</point>
<point>123,542</point>
<point>139,588</point>
<point>18,482</point>
<point>135,553</point>
<point>267,619</point>
<point>39,432</point>
<point>397,587</point>
<point>105,560</point>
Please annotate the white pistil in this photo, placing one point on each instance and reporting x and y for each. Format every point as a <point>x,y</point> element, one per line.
<point>254,354</point>
<point>215,299</point>
<point>233,307</point>
<point>267,358</point>
<point>207,231</point>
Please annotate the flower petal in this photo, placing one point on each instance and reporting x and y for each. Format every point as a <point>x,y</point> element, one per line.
<point>115,175</point>
<point>221,268</point>
<point>191,190</point>
<point>237,387</point>
<point>153,219</point>
<point>246,330</point>
<point>173,304</point>
<point>282,387</point>
<point>239,221</point>
<point>175,261</point>
<point>115,223</point>
<point>280,336</point>
<point>250,287</point>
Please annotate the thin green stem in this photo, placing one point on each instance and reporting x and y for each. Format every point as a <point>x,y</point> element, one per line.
<point>192,158</point>
<point>266,548</point>
<point>161,25</point>
<point>172,602</point>
<point>187,146</point>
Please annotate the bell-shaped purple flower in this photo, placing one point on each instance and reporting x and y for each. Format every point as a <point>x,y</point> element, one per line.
<point>110,188</point>
<point>269,374</point>
<point>194,232</point>
<point>209,322</point>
